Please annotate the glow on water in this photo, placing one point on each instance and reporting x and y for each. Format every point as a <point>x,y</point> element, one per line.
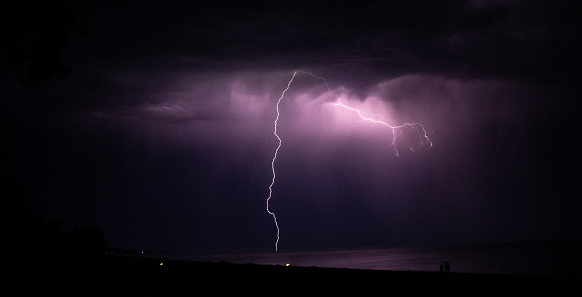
<point>536,257</point>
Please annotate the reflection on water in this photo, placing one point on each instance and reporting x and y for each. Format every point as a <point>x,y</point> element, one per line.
<point>540,257</point>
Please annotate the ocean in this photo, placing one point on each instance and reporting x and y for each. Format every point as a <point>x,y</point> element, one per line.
<point>536,257</point>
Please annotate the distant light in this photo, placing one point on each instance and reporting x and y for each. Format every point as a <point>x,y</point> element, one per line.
<point>287,264</point>
<point>162,264</point>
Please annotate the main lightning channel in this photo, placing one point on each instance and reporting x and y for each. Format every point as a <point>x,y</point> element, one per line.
<point>274,158</point>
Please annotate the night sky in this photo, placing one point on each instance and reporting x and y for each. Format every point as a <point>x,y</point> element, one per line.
<point>162,133</point>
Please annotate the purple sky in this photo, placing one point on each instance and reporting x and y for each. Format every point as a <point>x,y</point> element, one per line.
<point>163,132</point>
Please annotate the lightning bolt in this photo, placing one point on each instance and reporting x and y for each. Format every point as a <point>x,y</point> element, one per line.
<point>418,128</point>
<point>274,158</point>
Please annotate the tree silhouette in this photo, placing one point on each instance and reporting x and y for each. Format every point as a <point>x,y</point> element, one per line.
<point>85,243</point>
<point>29,239</point>
<point>33,34</point>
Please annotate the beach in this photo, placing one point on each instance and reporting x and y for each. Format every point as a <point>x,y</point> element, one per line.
<point>136,276</point>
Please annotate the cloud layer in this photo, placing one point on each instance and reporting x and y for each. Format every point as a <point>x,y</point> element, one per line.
<point>164,134</point>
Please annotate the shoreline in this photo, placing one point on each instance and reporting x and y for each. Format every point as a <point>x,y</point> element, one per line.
<point>535,257</point>
<point>113,275</point>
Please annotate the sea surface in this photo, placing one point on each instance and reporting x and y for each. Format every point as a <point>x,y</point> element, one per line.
<point>537,257</point>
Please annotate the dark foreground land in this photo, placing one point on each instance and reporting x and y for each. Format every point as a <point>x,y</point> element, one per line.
<point>133,276</point>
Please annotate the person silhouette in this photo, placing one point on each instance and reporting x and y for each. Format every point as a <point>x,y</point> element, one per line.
<point>447,266</point>
<point>442,269</point>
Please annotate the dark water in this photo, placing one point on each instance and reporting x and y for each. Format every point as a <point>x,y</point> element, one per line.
<point>540,257</point>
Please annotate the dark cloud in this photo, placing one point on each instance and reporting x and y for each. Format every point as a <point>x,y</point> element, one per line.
<point>354,44</point>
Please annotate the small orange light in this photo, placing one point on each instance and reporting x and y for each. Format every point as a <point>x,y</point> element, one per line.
<point>287,264</point>
<point>162,263</point>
